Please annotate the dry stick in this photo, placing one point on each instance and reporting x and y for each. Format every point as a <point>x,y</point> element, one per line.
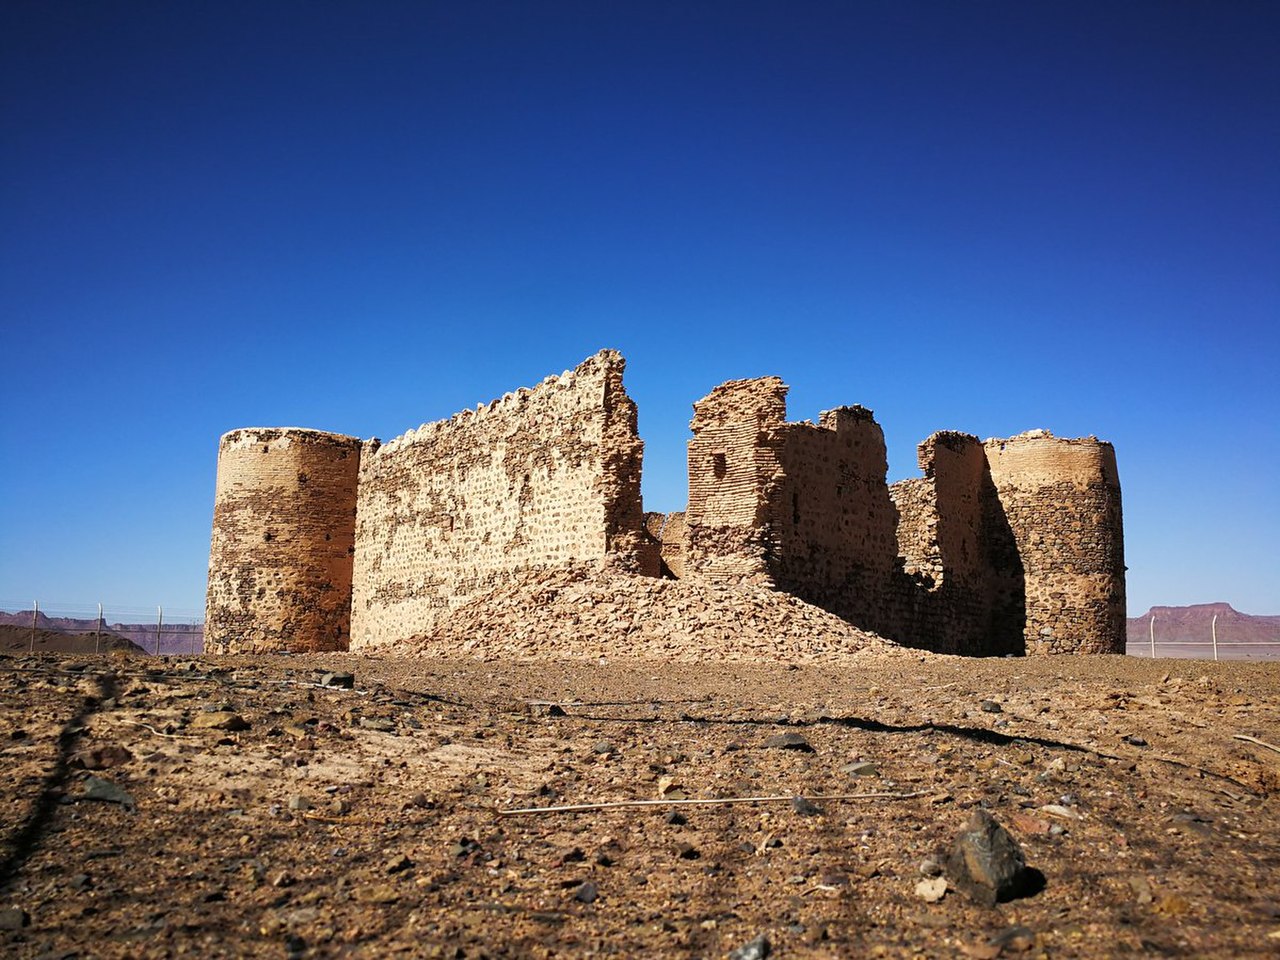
<point>159,733</point>
<point>722,801</point>
<point>1261,743</point>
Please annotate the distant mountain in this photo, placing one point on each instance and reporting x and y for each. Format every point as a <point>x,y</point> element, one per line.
<point>174,638</point>
<point>1195,624</point>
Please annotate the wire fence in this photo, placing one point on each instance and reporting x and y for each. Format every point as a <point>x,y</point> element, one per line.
<point>35,627</point>
<point>1213,646</point>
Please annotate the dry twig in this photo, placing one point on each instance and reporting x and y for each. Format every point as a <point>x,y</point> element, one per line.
<point>719,801</point>
<point>158,733</point>
<point>1261,743</point>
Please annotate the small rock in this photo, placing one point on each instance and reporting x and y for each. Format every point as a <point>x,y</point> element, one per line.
<point>105,757</point>
<point>1134,740</point>
<point>676,818</point>
<point>1018,939</point>
<point>687,851</point>
<point>804,807</point>
<point>283,879</point>
<point>219,720</point>
<point>1058,810</point>
<point>789,741</point>
<point>380,724</point>
<point>1141,888</point>
<point>930,867</point>
<point>587,893</point>
<point>13,918</point>
<point>377,893</point>
<point>299,803</point>
<point>399,864</point>
<point>932,889</point>
<point>990,706</point>
<point>604,748</point>
<point>344,681</point>
<point>986,862</point>
<point>95,788</point>
<point>756,949</point>
<point>862,768</point>
<point>1173,905</point>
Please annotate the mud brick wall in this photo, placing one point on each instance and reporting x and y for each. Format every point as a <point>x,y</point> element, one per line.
<point>958,587</point>
<point>733,456</point>
<point>672,535</point>
<point>1061,499</point>
<point>543,477</point>
<point>801,507</point>
<point>280,558</point>
<point>831,522</point>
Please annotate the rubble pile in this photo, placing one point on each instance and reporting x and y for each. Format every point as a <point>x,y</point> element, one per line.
<point>589,614</point>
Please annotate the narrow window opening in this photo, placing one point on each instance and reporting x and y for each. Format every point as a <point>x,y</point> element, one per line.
<point>719,465</point>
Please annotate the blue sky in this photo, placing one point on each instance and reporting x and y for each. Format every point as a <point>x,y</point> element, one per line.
<point>361,216</point>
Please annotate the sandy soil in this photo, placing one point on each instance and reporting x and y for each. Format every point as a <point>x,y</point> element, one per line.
<point>375,821</point>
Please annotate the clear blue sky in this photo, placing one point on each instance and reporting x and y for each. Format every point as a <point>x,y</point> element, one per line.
<point>361,216</point>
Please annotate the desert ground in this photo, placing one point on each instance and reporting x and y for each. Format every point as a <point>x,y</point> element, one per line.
<point>258,806</point>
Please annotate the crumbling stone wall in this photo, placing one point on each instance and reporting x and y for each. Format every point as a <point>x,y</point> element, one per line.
<point>958,589</point>
<point>671,533</point>
<point>801,507</point>
<point>543,477</point>
<point>1061,498</point>
<point>280,557</point>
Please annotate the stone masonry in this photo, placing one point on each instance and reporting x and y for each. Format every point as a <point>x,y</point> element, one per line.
<point>320,542</point>
<point>546,477</point>
<point>283,540</point>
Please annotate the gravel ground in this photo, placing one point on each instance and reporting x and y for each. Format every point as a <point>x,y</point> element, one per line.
<point>233,807</point>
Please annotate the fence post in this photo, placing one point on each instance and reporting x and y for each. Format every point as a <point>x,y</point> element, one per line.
<point>97,641</point>
<point>159,625</point>
<point>1152,625</point>
<point>35,619</point>
<point>1214,626</point>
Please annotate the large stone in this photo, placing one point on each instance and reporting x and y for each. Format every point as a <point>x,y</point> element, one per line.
<point>985,861</point>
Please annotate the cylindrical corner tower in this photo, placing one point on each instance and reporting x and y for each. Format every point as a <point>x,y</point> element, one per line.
<point>283,541</point>
<point>1061,501</point>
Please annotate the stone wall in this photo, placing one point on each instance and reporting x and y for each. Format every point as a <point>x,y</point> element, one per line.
<point>801,507</point>
<point>280,557</point>
<point>958,589</point>
<point>1061,499</point>
<point>672,535</point>
<point>543,477</point>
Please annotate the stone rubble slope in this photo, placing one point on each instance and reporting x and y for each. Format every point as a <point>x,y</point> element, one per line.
<point>579,614</point>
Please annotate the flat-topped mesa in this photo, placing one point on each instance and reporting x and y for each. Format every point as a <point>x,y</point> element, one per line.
<point>545,477</point>
<point>280,556</point>
<point>1061,502</point>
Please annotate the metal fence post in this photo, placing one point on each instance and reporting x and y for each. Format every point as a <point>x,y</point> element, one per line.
<point>1214,626</point>
<point>159,626</point>
<point>1152,625</point>
<point>97,637</point>
<point>35,619</point>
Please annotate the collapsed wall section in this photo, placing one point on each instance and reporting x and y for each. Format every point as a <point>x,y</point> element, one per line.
<point>280,558</point>
<point>544,477</point>
<point>672,536</point>
<point>801,507</point>
<point>959,587</point>
<point>1061,500</point>
<point>733,457</point>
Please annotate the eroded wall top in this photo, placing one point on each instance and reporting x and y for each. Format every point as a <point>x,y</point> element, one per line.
<point>542,477</point>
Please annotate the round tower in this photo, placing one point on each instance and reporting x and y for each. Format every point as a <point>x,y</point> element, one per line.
<point>1061,501</point>
<point>283,541</point>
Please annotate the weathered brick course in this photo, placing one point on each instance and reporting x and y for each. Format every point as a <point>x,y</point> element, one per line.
<point>283,538</point>
<point>543,477</point>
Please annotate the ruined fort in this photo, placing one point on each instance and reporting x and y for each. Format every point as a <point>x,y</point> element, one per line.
<point>326,542</point>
